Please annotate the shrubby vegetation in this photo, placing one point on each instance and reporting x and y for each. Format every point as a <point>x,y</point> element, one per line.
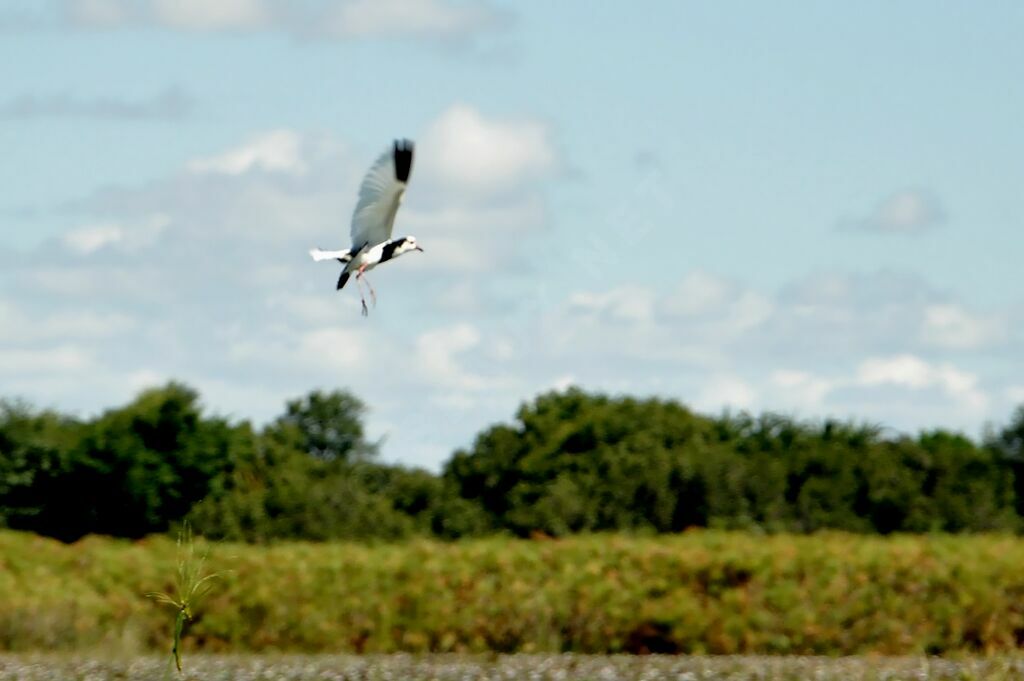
<point>570,462</point>
<point>702,591</point>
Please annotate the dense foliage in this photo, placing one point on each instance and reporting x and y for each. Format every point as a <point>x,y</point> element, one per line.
<point>697,592</point>
<point>577,462</point>
<point>570,462</point>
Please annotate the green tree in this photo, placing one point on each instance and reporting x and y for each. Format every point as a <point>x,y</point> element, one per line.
<point>140,467</point>
<point>326,425</point>
<point>35,447</point>
<point>1008,445</point>
<point>276,491</point>
<point>971,491</point>
<point>577,462</point>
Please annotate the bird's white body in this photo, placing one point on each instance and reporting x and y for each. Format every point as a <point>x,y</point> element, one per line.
<point>368,258</point>
<point>373,220</point>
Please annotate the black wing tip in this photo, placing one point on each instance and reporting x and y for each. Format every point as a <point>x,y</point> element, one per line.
<point>342,280</point>
<point>403,159</point>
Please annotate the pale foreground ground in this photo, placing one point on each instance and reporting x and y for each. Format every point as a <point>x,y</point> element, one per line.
<point>505,668</point>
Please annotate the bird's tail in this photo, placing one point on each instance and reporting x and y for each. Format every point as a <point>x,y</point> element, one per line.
<point>341,256</point>
<point>344,257</point>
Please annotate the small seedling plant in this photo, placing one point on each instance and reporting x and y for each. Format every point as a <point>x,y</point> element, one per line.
<point>192,585</point>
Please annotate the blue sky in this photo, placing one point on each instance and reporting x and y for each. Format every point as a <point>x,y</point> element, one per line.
<point>804,207</point>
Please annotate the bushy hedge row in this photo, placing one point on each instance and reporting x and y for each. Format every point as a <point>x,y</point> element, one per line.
<point>570,462</point>
<point>699,592</point>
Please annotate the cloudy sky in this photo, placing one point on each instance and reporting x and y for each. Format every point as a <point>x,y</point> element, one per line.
<point>813,208</point>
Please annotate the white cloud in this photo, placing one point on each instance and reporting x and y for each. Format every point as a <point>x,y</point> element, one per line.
<point>185,15</point>
<point>712,307</point>
<point>903,391</point>
<point>329,353</point>
<point>626,303</point>
<point>904,370</point>
<point>699,293</point>
<point>170,104</point>
<point>951,326</point>
<point>437,352</point>
<point>749,311</point>
<point>56,360</point>
<point>801,389</point>
<point>501,349</point>
<point>467,234</point>
<point>470,153</point>
<point>475,191</point>
<point>207,15</point>
<point>398,18</point>
<point>563,383</point>
<point>443,370</point>
<point>835,316</point>
<point>910,371</point>
<point>331,19</point>
<point>304,308</point>
<point>910,211</point>
<point>333,349</point>
<point>99,13</point>
<point>463,297</point>
<point>845,345</point>
<point>129,237</point>
<point>85,240</point>
<point>22,327</point>
<point>725,391</point>
<point>89,280</point>
<point>274,151</point>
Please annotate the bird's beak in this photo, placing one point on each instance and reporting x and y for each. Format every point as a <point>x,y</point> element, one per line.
<point>419,249</point>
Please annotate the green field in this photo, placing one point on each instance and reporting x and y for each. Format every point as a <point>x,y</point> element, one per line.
<point>697,593</point>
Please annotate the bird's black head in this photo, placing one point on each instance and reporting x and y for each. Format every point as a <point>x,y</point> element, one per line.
<point>408,243</point>
<point>397,247</point>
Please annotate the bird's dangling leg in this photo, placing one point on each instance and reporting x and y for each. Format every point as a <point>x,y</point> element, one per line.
<point>373,294</point>
<point>362,297</point>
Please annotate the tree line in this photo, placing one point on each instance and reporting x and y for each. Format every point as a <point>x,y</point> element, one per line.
<point>569,462</point>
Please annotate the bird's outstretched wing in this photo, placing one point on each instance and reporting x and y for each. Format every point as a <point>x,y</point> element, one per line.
<point>380,196</point>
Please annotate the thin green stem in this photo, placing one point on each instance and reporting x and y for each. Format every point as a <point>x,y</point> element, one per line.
<point>179,626</point>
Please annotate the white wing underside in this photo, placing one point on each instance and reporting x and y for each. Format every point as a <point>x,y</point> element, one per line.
<point>379,198</point>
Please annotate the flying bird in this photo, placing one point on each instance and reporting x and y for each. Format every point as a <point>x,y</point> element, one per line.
<point>374,219</point>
